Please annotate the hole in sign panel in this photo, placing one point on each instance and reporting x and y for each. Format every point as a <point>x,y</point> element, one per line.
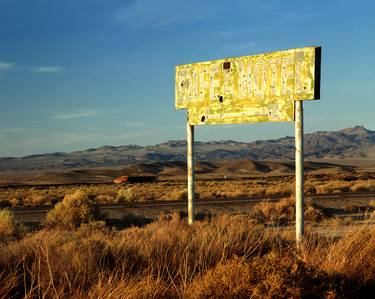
<point>203,118</point>
<point>220,99</point>
<point>226,65</point>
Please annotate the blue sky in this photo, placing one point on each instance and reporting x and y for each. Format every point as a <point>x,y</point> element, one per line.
<point>78,74</point>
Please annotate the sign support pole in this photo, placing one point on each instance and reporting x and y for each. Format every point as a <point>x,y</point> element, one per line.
<point>299,171</point>
<point>190,172</point>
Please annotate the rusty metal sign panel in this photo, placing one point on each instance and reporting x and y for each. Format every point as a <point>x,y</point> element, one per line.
<point>247,89</point>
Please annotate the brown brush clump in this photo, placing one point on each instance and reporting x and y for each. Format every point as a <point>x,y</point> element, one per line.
<point>132,194</point>
<point>125,195</point>
<point>363,185</point>
<point>276,274</point>
<point>181,195</point>
<point>283,211</point>
<point>338,186</point>
<point>354,255</point>
<point>333,186</point>
<point>225,257</point>
<point>75,209</point>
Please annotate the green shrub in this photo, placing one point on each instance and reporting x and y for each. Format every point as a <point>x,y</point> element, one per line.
<point>75,209</point>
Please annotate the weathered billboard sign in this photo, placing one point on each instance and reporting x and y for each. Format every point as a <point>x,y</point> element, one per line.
<point>247,89</point>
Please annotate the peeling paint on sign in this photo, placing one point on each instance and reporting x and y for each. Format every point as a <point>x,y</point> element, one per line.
<point>248,89</point>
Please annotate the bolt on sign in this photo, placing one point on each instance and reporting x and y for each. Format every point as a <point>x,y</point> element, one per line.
<point>257,88</point>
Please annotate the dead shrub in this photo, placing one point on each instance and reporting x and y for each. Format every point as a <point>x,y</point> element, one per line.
<point>315,212</point>
<point>16,201</point>
<point>277,274</point>
<point>309,188</point>
<point>283,211</point>
<point>88,229</point>
<point>354,256</point>
<point>234,194</point>
<point>75,209</point>
<point>144,195</point>
<point>105,198</point>
<point>230,279</point>
<point>181,195</point>
<point>206,194</point>
<point>333,187</point>
<point>8,225</point>
<point>37,199</point>
<point>180,215</point>
<point>280,189</point>
<point>126,195</point>
<point>363,186</point>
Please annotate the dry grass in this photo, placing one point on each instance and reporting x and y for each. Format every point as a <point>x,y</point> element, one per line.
<point>338,186</point>
<point>207,189</point>
<point>225,257</point>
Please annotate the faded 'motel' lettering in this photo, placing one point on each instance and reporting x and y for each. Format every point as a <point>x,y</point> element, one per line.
<point>247,89</point>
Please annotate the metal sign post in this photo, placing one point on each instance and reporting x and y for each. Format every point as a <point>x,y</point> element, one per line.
<point>299,171</point>
<point>190,171</point>
<point>249,89</point>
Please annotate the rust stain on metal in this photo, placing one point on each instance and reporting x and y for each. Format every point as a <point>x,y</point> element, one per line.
<point>248,89</point>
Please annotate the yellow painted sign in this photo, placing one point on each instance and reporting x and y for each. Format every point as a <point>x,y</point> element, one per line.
<point>247,89</point>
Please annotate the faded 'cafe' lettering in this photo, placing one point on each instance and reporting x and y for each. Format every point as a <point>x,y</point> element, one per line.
<point>249,88</point>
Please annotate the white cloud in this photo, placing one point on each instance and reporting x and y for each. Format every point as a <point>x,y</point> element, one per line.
<point>51,69</point>
<point>47,69</point>
<point>87,113</point>
<point>74,115</point>
<point>6,66</point>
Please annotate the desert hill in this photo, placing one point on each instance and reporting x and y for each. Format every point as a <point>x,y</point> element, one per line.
<point>338,151</point>
<point>351,143</point>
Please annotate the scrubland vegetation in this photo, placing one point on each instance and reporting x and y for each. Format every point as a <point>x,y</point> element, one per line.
<point>176,190</point>
<point>78,254</point>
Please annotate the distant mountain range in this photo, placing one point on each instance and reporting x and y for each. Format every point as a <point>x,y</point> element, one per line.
<point>351,143</point>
